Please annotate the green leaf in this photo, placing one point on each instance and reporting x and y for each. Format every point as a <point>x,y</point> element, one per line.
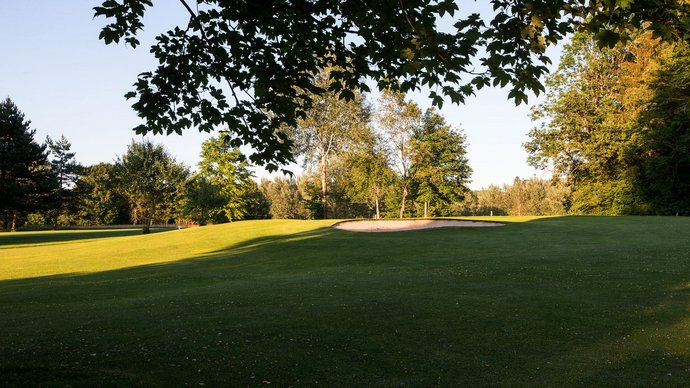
<point>607,38</point>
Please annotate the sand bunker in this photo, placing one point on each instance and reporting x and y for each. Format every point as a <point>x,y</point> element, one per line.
<point>400,225</point>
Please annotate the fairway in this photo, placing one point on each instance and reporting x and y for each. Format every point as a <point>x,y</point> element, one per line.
<point>562,301</point>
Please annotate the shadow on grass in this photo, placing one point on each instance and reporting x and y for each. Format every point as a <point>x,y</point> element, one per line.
<point>571,301</point>
<point>61,236</point>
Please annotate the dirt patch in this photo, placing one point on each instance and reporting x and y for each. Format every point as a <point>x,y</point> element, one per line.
<point>401,225</point>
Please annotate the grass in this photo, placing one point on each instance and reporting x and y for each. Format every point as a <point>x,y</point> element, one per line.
<point>574,301</point>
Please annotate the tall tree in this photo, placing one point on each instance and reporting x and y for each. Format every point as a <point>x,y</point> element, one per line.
<point>591,124</point>
<point>98,201</point>
<point>203,200</point>
<point>440,169</point>
<point>66,171</point>
<point>285,198</point>
<point>226,167</point>
<point>256,204</point>
<point>367,176</point>
<point>25,178</point>
<point>399,119</point>
<point>328,129</point>
<point>250,67</point>
<point>664,174</point>
<point>149,177</point>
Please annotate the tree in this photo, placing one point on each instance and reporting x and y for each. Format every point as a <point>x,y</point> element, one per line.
<point>25,179</point>
<point>664,174</point>
<point>591,130</point>
<point>328,129</point>
<point>440,170</point>
<point>226,168</point>
<point>286,201</point>
<point>367,175</point>
<point>533,196</point>
<point>256,204</point>
<point>66,171</point>
<point>399,119</point>
<point>97,199</point>
<point>150,178</point>
<point>203,200</point>
<point>251,67</point>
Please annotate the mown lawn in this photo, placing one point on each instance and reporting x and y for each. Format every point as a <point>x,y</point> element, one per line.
<point>554,301</point>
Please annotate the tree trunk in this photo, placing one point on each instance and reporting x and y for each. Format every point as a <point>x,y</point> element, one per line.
<point>202,219</point>
<point>148,219</point>
<point>324,188</point>
<point>426,209</point>
<point>402,203</point>
<point>55,218</point>
<point>14,222</point>
<point>378,214</point>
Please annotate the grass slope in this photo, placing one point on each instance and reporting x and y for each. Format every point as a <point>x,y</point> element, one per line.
<point>557,301</point>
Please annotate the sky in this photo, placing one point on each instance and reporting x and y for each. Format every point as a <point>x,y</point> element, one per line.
<point>68,82</point>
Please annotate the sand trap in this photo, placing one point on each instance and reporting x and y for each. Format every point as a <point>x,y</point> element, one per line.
<point>400,225</point>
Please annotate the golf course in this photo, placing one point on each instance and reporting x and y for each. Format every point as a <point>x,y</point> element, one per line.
<point>561,301</point>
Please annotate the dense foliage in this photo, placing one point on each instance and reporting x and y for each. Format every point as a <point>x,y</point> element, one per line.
<point>330,128</point>
<point>615,127</point>
<point>523,197</point>
<point>251,67</point>
<point>26,180</point>
<point>151,180</point>
<point>664,158</point>
<point>98,201</point>
<point>440,169</point>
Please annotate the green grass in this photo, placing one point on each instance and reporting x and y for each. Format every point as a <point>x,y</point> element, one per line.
<point>554,301</point>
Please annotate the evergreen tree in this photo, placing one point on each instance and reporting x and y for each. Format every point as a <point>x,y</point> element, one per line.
<point>25,178</point>
<point>66,171</point>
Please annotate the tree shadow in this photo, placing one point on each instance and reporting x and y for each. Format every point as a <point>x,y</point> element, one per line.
<point>62,236</point>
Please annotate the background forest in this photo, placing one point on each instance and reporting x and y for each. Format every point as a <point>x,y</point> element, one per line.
<point>358,162</point>
<point>613,130</point>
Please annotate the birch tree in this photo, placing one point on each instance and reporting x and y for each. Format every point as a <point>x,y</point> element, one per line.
<point>328,129</point>
<point>398,120</point>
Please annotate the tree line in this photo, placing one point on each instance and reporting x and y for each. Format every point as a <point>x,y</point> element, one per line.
<point>532,196</point>
<point>394,161</point>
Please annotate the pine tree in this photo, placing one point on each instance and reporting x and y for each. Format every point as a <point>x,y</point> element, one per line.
<point>66,171</point>
<point>25,179</point>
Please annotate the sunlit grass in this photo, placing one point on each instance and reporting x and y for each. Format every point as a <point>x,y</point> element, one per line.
<point>78,252</point>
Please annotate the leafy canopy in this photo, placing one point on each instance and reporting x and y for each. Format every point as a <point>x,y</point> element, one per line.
<point>149,177</point>
<point>251,66</point>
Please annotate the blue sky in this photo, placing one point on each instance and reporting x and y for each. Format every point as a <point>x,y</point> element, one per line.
<point>66,81</point>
